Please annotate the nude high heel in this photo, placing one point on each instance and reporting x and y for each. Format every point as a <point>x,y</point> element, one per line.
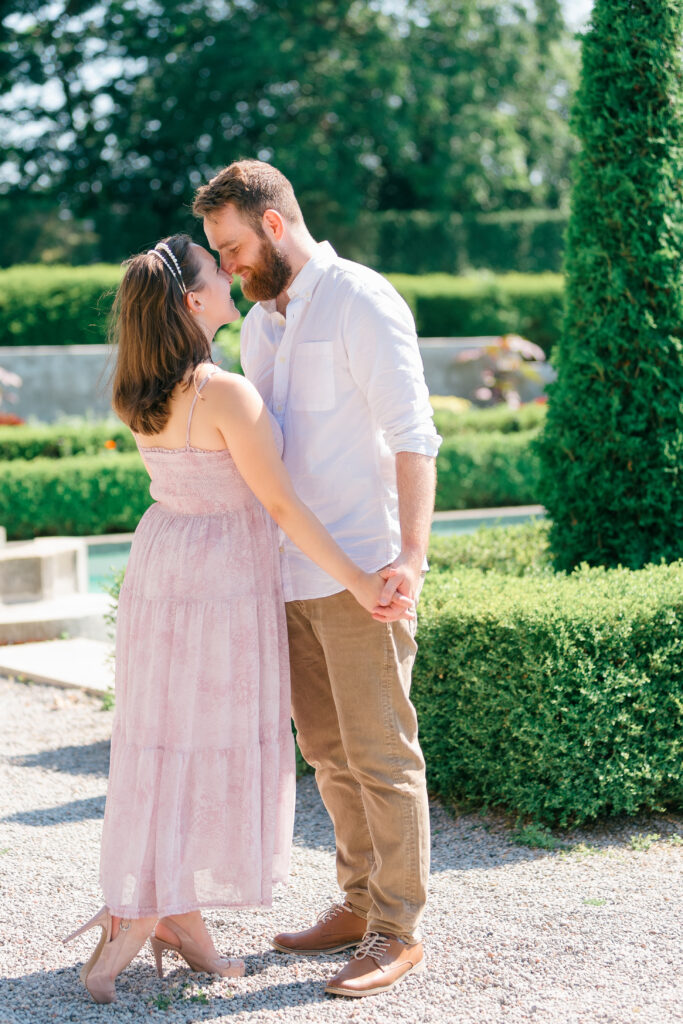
<point>111,955</point>
<point>102,919</point>
<point>193,956</point>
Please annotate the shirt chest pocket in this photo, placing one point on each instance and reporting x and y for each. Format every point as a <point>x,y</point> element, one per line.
<point>312,382</point>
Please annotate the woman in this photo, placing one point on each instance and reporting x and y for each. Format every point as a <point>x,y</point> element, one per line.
<point>201,786</point>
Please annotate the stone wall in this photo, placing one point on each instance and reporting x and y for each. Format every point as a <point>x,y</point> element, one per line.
<point>73,380</point>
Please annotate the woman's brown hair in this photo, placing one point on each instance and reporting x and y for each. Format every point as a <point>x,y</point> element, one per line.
<point>157,337</point>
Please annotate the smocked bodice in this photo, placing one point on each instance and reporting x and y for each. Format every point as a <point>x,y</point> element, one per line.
<point>195,481</point>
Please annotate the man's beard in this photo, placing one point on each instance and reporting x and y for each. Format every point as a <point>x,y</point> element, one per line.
<point>269,276</point>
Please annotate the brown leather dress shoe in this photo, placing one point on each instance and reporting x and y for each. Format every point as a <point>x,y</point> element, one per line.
<point>379,963</point>
<point>336,929</point>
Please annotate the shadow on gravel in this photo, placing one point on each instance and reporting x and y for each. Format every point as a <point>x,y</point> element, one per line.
<point>90,759</point>
<point>76,810</point>
<point>61,996</point>
<point>461,843</point>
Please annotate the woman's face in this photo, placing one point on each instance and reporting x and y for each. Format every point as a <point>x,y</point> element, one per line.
<point>213,293</point>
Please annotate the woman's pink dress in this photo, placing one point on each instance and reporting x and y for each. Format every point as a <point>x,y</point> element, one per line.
<point>200,801</point>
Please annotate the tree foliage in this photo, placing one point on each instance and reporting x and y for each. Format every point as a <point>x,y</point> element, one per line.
<point>613,444</point>
<point>368,106</point>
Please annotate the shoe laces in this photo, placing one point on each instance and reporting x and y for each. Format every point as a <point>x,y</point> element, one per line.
<point>373,945</point>
<point>334,911</point>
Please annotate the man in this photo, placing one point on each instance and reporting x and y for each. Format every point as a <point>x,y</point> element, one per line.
<point>331,347</point>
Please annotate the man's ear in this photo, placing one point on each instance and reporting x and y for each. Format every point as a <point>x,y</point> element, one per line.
<point>273,225</point>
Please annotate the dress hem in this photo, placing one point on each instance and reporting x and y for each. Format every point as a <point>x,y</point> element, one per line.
<point>186,908</point>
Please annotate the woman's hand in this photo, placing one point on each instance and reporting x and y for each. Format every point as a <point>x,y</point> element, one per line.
<point>368,590</point>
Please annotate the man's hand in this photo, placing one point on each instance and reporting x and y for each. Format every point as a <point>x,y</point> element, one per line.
<point>403,581</point>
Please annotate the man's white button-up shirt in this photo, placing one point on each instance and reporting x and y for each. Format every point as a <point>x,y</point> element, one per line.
<point>342,374</point>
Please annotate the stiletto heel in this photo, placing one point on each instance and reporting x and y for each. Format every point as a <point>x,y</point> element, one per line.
<point>158,947</point>
<point>195,957</point>
<point>100,918</point>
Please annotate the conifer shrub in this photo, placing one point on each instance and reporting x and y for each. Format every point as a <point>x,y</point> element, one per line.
<point>612,448</point>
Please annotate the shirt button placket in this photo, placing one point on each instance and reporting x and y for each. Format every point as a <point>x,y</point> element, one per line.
<point>280,374</point>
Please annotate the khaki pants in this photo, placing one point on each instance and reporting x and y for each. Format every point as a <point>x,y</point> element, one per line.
<point>357,727</point>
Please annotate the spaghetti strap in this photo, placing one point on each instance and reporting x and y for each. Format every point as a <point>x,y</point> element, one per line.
<point>213,369</point>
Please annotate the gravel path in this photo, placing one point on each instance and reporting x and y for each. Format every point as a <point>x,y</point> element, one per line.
<point>590,933</point>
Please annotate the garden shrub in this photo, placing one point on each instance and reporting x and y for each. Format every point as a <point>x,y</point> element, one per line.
<point>612,449</point>
<point>445,306</point>
<point>83,494</point>
<point>60,305</point>
<point>558,697</point>
<point>79,495</point>
<point>480,470</point>
<point>531,241</point>
<point>56,305</point>
<point>63,439</point>
<point>80,437</point>
<point>520,550</point>
<point>452,420</point>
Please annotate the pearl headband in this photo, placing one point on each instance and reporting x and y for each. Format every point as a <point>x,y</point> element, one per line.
<point>176,273</point>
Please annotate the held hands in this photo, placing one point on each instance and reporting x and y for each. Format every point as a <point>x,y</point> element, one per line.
<point>403,581</point>
<point>368,592</point>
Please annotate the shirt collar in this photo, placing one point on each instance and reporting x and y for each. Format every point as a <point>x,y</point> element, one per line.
<point>305,282</point>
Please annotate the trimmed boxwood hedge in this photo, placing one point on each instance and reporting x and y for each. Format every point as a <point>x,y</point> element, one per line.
<point>558,697</point>
<point>444,306</point>
<point>80,437</point>
<point>61,305</point>
<point>451,420</point>
<point>102,493</point>
<point>76,496</point>
<point>63,439</point>
<point>478,470</point>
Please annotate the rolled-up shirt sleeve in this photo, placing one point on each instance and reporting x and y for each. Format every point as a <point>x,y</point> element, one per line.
<point>385,363</point>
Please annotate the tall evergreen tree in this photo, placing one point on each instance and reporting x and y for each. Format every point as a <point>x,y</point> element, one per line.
<point>612,449</point>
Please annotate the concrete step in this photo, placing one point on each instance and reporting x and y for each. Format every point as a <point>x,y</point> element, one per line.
<point>82,663</point>
<point>76,615</point>
<point>43,568</point>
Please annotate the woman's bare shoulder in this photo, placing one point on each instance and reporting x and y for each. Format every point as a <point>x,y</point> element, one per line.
<point>228,391</point>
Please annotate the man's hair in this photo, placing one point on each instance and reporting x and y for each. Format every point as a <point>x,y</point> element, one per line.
<point>252,187</point>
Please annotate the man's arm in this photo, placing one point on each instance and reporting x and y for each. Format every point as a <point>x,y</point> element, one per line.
<point>416,484</point>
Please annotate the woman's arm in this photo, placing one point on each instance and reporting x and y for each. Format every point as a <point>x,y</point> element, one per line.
<point>240,415</point>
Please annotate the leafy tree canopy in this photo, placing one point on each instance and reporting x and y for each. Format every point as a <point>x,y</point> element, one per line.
<point>115,112</point>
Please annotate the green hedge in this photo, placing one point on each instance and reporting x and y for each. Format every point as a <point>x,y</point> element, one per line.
<point>494,419</point>
<point>56,305</point>
<point>531,241</point>
<point>520,550</point>
<point>78,495</point>
<point>60,305</point>
<point>528,304</point>
<point>558,697</point>
<point>101,493</point>
<point>74,437</point>
<point>63,439</point>
<point>478,470</point>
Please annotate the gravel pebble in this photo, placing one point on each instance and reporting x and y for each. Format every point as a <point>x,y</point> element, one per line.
<point>590,934</point>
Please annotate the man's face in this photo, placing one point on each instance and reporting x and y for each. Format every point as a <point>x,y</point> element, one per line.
<point>264,272</point>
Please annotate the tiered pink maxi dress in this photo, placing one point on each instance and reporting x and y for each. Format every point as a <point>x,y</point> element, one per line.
<point>200,801</point>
